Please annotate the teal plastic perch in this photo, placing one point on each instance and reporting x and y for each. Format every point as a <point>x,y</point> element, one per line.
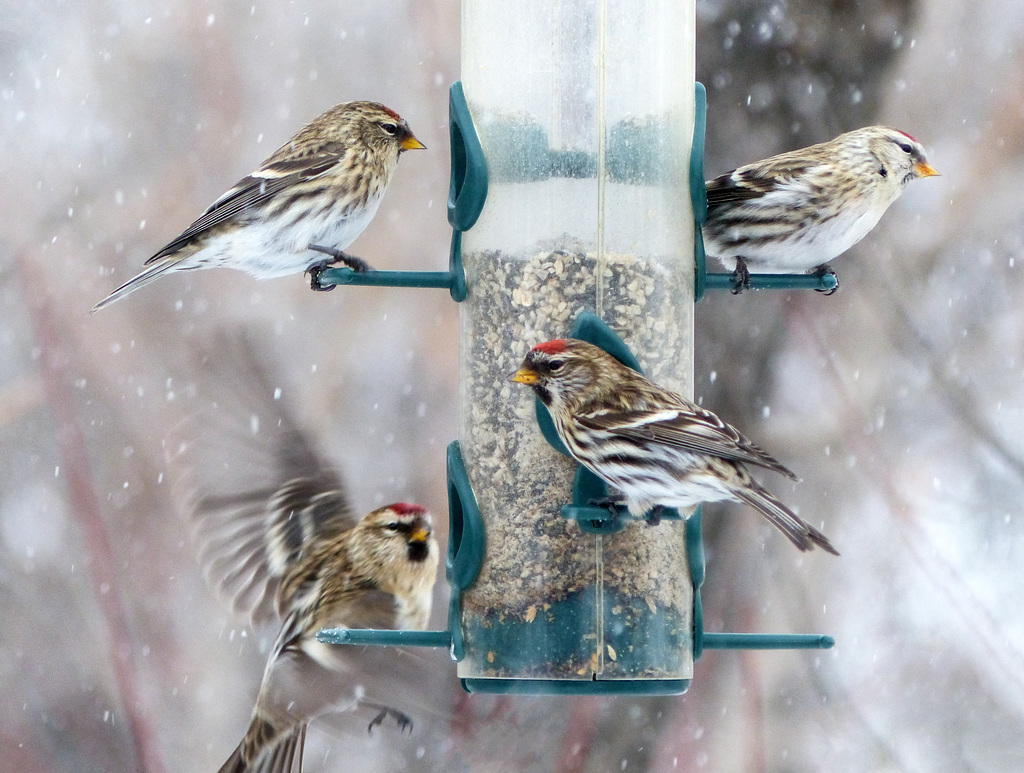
<point>768,641</point>
<point>717,641</point>
<point>705,280</point>
<point>465,552</point>
<point>825,283</point>
<point>384,638</point>
<point>467,192</point>
<point>444,280</point>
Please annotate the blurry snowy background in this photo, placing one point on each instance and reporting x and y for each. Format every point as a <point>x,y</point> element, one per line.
<point>899,400</point>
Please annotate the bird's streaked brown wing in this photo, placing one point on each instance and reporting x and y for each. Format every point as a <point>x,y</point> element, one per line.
<point>690,429</point>
<point>256,489</point>
<point>726,190</point>
<point>249,192</point>
<point>757,180</point>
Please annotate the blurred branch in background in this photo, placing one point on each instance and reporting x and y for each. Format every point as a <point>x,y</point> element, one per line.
<point>55,371</point>
<point>19,398</point>
<point>907,516</point>
<point>784,74</point>
<point>964,403</point>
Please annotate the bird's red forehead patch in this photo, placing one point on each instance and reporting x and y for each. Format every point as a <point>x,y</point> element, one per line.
<point>557,346</point>
<point>403,508</point>
<point>392,113</point>
<point>906,135</point>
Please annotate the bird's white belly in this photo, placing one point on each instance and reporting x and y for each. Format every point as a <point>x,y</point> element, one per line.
<point>268,249</point>
<point>812,248</point>
<point>795,249</point>
<point>681,485</point>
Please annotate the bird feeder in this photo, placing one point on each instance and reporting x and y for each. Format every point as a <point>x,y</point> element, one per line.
<point>575,202</point>
<point>585,115</point>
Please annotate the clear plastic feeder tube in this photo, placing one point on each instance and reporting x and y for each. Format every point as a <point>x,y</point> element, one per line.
<point>585,111</point>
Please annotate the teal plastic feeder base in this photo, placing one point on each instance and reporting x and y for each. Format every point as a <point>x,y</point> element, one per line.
<point>580,687</point>
<point>594,639</point>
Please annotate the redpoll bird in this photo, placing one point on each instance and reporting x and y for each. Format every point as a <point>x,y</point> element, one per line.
<point>325,573</point>
<point>653,447</point>
<point>310,199</point>
<point>794,212</point>
<point>279,542</point>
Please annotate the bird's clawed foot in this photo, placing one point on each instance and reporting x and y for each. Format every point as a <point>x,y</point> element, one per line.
<point>314,272</point>
<point>740,277</point>
<point>404,721</point>
<point>337,256</point>
<point>653,517</point>
<point>611,504</point>
<point>826,270</point>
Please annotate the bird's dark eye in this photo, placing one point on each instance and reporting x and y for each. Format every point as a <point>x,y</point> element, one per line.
<point>906,148</point>
<point>390,129</point>
<point>555,365</point>
<point>393,526</point>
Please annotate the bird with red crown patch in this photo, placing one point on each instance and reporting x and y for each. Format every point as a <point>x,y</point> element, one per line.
<point>280,544</point>
<point>300,209</point>
<point>654,448</point>
<point>794,212</point>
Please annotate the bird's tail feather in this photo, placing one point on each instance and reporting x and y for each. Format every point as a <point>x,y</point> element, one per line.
<point>799,532</point>
<point>142,279</point>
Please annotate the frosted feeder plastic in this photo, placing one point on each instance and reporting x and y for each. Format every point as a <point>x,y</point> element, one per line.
<point>585,113</point>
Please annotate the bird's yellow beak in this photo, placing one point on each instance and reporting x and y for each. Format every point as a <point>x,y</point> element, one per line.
<point>411,143</point>
<point>420,535</point>
<point>925,170</point>
<point>525,376</point>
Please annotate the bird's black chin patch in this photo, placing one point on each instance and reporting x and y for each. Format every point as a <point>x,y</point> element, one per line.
<point>418,551</point>
<point>543,394</point>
